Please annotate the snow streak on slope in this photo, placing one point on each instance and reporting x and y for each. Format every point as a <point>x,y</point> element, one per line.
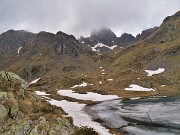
<point>81,85</point>
<point>34,81</point>
<point>19,50</point>
<point>99,45</point>
<point>154,72</point>
<point>41,93</point>
<point>134,87</point>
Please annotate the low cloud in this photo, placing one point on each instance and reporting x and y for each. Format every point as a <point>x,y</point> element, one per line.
<point>80,17</point>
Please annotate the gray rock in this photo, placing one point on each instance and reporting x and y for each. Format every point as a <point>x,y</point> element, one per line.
<point>3,114</point>
<point>20,128</point>
<point>14,109</point>
<point>3,96</point>
<point>12,78</point>
<point>63,122</point>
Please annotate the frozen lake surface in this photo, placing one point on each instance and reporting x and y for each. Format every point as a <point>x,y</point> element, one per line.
<point>149,116</point>
<point>137,116</point>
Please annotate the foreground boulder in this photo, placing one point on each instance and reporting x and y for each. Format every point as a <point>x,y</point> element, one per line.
<point>12,82</point>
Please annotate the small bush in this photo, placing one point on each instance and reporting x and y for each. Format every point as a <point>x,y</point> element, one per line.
<point>85,131</point>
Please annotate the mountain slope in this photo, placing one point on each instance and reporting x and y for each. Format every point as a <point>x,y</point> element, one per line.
<point>160,50</point>
<point>44,53</point>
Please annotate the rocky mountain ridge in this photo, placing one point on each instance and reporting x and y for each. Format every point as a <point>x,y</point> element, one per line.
<point>108,38</point>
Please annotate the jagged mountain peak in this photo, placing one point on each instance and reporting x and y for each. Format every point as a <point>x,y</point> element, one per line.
<point>125,37</point>
<point>45,33</point>
<point>145,33</point>
<point>175,16</point>
<point>168,30</point>
<point>12,32</point>
<point>62,34</point>
<point>103,34</point>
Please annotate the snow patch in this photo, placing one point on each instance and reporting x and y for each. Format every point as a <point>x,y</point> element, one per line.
<point>46,97</point>
<point>81,85</point>
<point>157,97</point>
<point>41,93</point>
<point>82,42</point>
<point>80,118</point>
<point>19,50</point>
<point>89,96</point>
<point>110,79</point>
<point>100,82</point>
<point>102,70</point>
<point>154,72</point>
<point>102,45</point>
<point>34,81</point>
<point>135,98</point>
<point>134,87</point>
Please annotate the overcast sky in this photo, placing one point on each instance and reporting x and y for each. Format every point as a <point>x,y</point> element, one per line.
<point>80,17</point>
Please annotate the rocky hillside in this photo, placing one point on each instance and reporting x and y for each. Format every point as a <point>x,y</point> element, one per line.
<point>34,55</point>
<point>23,112</point>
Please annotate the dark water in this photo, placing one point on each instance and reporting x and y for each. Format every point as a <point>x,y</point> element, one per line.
<point>149,116</point>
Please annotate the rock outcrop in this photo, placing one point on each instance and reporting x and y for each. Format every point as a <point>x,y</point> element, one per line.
<point>125,40</point>
<point>145,33</point>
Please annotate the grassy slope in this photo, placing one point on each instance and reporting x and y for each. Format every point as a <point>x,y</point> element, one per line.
<point>162,49</point>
